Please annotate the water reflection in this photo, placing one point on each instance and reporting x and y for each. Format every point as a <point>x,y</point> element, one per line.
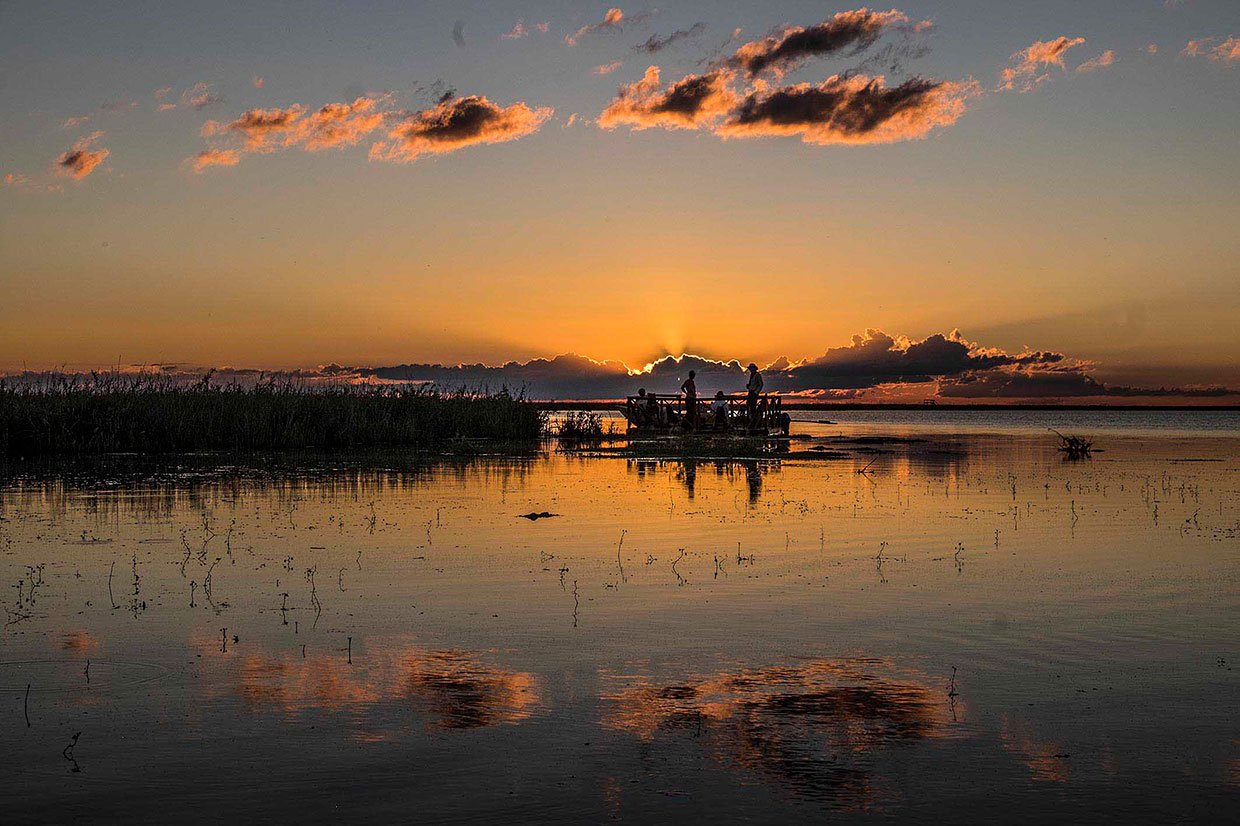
<point>815,727</point>
<point>1047,762</point>
<point>445,689</point>
<point>685,471</point>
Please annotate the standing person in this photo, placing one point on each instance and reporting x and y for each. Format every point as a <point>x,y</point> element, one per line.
<point>754,387</point>
<point>689,388</point>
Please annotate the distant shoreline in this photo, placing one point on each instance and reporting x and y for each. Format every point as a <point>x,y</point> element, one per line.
<point>928,408</point>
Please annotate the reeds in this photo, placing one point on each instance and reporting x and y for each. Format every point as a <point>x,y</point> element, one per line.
<point>114,412</point>
<point>581,426</point>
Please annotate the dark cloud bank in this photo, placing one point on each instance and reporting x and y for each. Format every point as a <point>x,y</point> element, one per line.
<point>874,366</point>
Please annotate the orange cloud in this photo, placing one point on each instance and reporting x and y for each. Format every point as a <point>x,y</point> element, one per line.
<point>262,129</point>
<point>782,52</point>
<point>456,123</point>
<point>340,124</point>
<point>1226,52</point>
<point>1024,73</point>
<point>451,124</point>
<point>608,68</point>
<point>332,126</point>
<point>80,160</point>
<point>213,157</point>
<point>613,19</point>
<point>1100,62</point>
<point>850,110</point>
<point>689,103</point>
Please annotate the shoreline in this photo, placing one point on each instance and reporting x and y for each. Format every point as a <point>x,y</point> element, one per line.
<point>928,408</point>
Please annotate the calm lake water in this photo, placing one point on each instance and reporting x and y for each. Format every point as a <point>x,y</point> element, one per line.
<point>973,628</point>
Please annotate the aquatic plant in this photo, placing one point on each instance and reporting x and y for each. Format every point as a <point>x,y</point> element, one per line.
<point>1072,447</point>
<point>113,412</point>
<point>581,426</point>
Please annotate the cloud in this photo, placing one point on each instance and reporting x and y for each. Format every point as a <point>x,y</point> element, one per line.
<point>261,129</point>
<point>878,358</point>
<point>258,82</point>
<point>1151,48</point>
<point>689,103</point>
<point>519,30</point>
<point>608,68</point>
<point>199,96</point>
<point>448,125</point>
<point>613,20</point>
<point>1100,62</point>
<point>80,160</point>
<point>1023,75</point>
<point>340,124</point>
<point>872,363</point>
<point>24,183</point>
<point>1228,51</point>
<point>456,123</point>
<point>213,157</point>
<point>330,127</point>
<point>849,110</point>
<point>785,50</point>
<point>118,105</point>
<point>73,122</point>
<point>1071,382</point>
<point>1196,48</point>
<point>655,43</point>
<point>458,34</point>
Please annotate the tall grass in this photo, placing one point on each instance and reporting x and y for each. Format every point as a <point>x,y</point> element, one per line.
<point>581,426</point>
<point>104,413</point>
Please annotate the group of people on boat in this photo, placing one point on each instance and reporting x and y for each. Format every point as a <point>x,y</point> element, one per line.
<point>650,413</point>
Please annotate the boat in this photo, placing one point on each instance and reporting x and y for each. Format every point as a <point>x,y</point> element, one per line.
<point>654,414</point>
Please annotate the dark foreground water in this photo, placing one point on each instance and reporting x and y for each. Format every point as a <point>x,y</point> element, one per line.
<point>972,629</point>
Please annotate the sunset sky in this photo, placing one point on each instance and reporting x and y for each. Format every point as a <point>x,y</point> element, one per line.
<point>495,181</point>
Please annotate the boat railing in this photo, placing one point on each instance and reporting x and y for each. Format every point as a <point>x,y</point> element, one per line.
<point>667,412</point>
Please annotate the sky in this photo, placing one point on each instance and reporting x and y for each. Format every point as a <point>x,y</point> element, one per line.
<point>799,184</point>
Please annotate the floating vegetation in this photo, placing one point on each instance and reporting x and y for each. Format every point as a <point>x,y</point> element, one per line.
<point>1072,447</point>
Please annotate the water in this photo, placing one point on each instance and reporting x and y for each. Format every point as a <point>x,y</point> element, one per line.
<point>973,628</point>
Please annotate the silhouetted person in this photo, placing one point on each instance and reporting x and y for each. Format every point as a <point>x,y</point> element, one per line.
<point>719,408</point>
<point>689,388</point>
<point>647,407</point>
<point>754,389</point>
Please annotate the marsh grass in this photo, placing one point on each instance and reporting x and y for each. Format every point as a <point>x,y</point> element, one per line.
<point>110,413</point>
<point>581,426</point>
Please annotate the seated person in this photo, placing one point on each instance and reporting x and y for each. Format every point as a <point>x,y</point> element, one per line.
<point>654,413</point>
<point>642,410</point>
<point>719,409</point>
